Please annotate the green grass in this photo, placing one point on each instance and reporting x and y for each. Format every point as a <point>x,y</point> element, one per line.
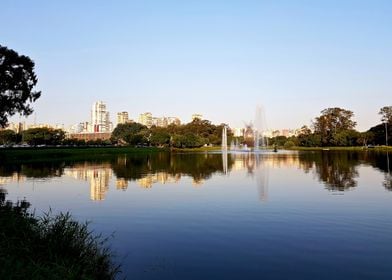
<point>201,149</point>
<point>74,153</point>
<point>356,148</point>
<point>49,247</point>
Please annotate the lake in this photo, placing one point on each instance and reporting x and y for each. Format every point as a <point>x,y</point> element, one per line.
<point>285,215</point>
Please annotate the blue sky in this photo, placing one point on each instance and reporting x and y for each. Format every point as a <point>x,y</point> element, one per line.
<point>217,58</point>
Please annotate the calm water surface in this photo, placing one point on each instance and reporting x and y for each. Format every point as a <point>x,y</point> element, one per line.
<point>324,215</point>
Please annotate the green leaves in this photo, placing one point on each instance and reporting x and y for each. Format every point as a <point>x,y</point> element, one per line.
<point>17,80</point>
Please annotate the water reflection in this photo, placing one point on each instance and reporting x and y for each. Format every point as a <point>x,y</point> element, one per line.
<point>98,175</point>
<point>388,176</point>
<point>337,170</point>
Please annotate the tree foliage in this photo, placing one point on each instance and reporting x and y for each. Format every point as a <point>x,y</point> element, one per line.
<point>43,136</point>
<point>130,133</point>
<point>7,136</point>
<point>386,114</point>
<point>17,80</point>
<point>332,123</point>
<point>191,135</point>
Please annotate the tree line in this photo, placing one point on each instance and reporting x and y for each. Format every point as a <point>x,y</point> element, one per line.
<point>335,127</point>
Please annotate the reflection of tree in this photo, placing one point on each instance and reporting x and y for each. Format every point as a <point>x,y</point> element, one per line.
<point>388,176</point>
<point>388,182</point>
<point>198,166</point>
<point>33,170</point>
<point>336,170</point>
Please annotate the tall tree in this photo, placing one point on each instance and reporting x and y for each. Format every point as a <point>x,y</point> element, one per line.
<point>332,122</point>
<point>17,80</point>
<point>130,133</point>
<point>386,114</point>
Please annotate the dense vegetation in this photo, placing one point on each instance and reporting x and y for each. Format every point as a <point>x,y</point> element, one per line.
<point>17,80</point>
<point>191,135</point>
<point>49,247</point>
<point>335,128</point>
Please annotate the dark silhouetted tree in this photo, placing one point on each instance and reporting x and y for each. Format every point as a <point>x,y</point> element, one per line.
<point>17,80</point>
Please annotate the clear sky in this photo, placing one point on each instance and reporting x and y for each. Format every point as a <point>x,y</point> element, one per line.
<point>218,58</point>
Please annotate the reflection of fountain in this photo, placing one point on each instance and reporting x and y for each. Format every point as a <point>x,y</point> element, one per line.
<point>257,167</point>
<point>261,178</point>
<point>224,161</point>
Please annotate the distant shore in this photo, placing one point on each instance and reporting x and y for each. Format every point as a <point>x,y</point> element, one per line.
<point>79,153</point>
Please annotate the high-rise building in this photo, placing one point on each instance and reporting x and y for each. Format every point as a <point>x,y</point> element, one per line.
<point>122,117</point>
<point>100,121</point>
<point>146,119</point>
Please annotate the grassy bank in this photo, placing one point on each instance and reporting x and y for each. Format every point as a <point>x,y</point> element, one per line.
<point>356,148</point>
<point>49,247</point>
<point>74,153</point>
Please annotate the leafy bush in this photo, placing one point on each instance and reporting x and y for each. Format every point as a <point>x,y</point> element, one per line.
<point>50,247</point>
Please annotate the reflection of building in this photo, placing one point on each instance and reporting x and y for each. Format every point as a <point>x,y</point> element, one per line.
<point>97,175</point>
<point>121,184</point>
<point>160,177</point>
<point>15,177</point>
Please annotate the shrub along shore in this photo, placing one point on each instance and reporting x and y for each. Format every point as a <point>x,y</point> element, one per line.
<point>49,247</point>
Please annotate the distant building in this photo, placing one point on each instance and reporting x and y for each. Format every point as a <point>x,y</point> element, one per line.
<point>173,120</point>
<point>197,116</point>
<point>122,117</point>
<point>146,119</point>
<point>238,132</point>
<point>100,120</point>
<point>90,136</point>
<point>17,127</point>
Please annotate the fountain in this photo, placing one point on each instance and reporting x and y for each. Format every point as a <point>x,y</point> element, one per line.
<point>224,138</point>
<point>259,130</point>
<point>253,135</point>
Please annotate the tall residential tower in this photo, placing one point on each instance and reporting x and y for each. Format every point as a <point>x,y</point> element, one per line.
<point>100,121</point>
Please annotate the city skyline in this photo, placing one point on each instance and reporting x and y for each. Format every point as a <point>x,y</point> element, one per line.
<point>216,58</point>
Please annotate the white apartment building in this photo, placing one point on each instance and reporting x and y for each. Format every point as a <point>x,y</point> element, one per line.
<point>122,117</point>
<point>100,121</point>
<point>145,119</point>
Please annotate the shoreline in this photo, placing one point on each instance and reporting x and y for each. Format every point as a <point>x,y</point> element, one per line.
<point>79,153</point>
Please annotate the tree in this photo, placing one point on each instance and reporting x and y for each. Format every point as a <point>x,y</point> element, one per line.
<point>130,133</point>
<point>17,80</point>
<point>365,137</point>
<point>43,136</point>
<point>331,122</point>
<point>159,137</point>
<point>7,136</point>
<point>386,113</point>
